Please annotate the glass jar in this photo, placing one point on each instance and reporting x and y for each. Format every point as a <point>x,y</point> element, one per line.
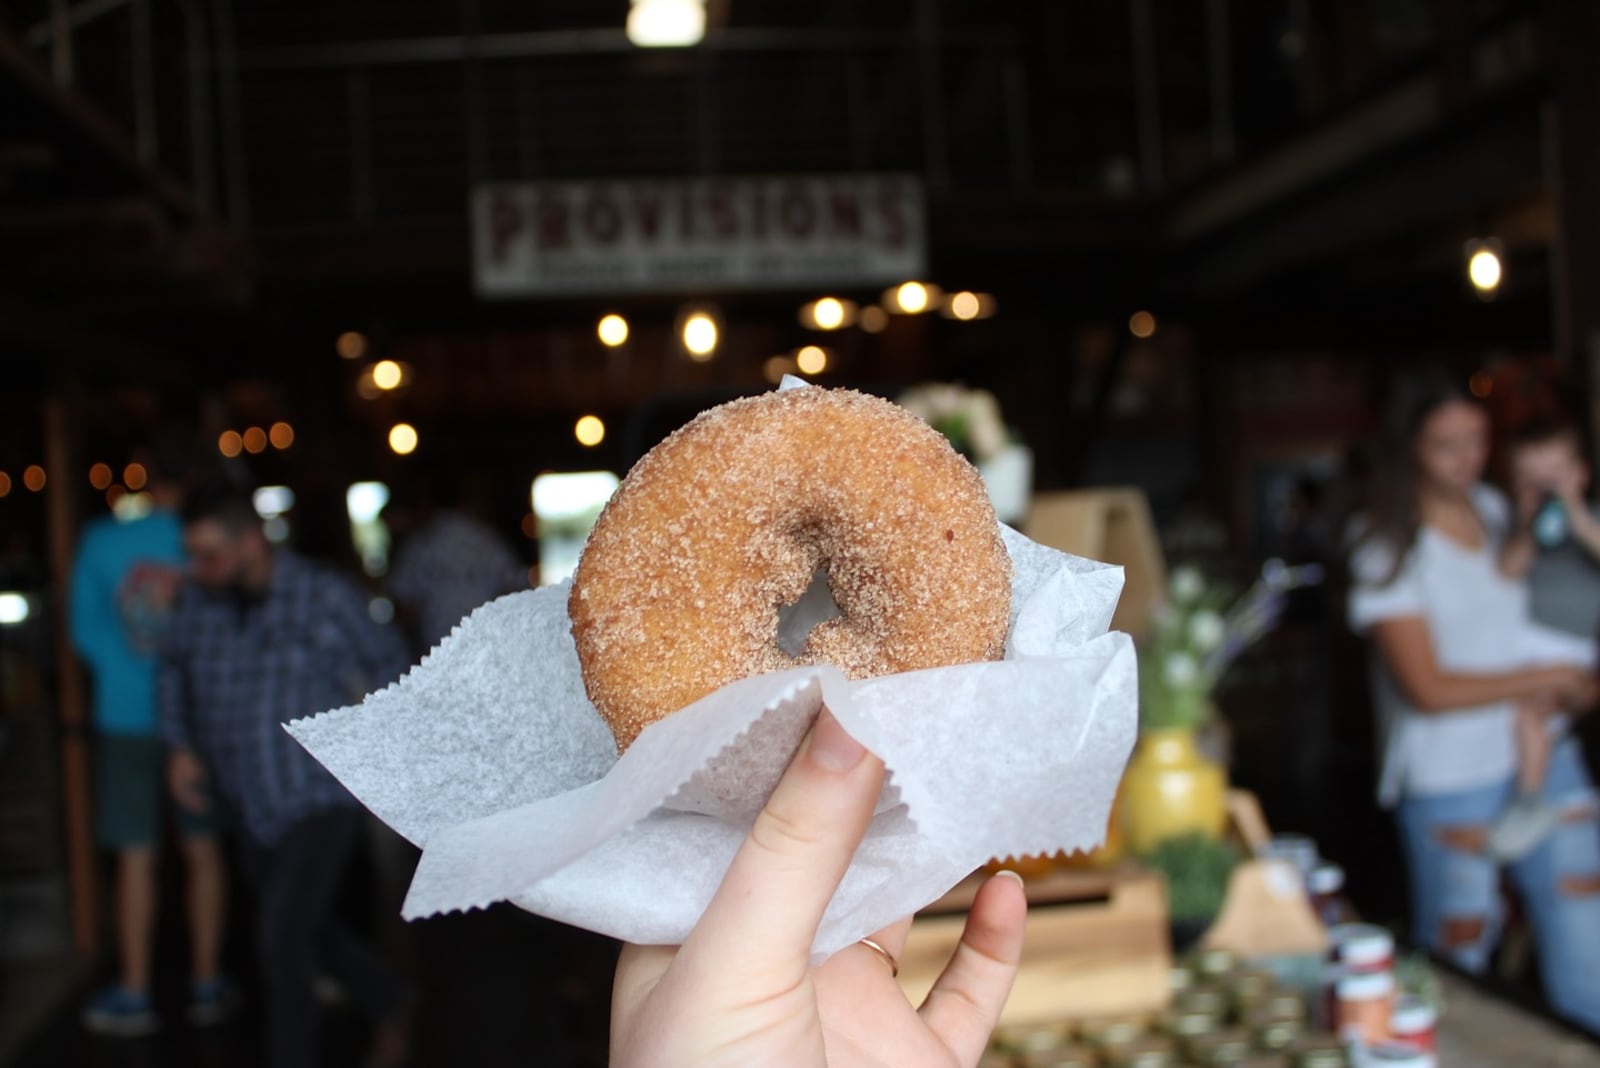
<point>1215,963</point>
<point>1325,886</point>
<point>1365,1001</point>
<point>1353,948</point>
<point>1221,1048</point>
<point>1320,1051</point>
<point>1186,1026</point>
<point>1361,947</point>
<point>1397,1055</point>
<point>1111,1033</point>
<point>1151,1051</point>
<point>1041,1038</point>
<point>1279,1035</point>
<point>1068,1056</point>
<point>1298,849</point>
<point>1264,1060</point>
<point>1414,1022</point>
<point>1250,985</point>
<point>1149,1059</point>
<point>1279,1006</point>
<point>1203,999</point>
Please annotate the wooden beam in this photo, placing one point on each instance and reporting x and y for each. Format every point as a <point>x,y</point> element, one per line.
<point>89,123</point>
<point>1466,168</point>
<point>76,798</point>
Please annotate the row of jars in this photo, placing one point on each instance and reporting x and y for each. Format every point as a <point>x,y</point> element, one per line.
<point>1363,1003</point>
<point>1221,1015</point>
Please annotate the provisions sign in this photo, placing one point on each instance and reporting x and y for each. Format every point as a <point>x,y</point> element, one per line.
<point>549,239</point>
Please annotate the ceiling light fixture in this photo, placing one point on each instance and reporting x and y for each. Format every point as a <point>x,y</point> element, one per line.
<point>666,23</point>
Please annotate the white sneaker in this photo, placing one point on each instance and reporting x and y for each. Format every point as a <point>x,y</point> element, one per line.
<point>1520,828</point>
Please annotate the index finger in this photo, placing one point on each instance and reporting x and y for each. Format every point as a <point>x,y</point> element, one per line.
<point>768,908</point>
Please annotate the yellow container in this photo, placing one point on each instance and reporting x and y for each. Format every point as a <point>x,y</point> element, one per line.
<point>1171,789</point>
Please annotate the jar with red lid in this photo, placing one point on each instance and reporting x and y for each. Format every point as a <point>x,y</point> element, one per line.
<point>1362,947</point>
<point>1365,1001</point>
<point>1414,1022</point>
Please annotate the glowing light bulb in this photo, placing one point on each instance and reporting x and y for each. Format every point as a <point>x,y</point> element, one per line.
<point>386,374</point>
<point>812,359</point>
<point>700,336</point>
<point>912,297</point>
<point>1484,270</point>
<point>403,439</point>
<point>590,430</point>
<point>666,23</point>
<point>613,330</point>
<point>351,345</point>
<point>873,319</point>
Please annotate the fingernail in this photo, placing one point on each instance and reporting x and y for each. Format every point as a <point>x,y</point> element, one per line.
<point>1007,873</point>
<point>832,747</point>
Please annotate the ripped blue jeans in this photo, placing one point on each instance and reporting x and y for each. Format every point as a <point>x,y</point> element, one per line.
<point>1455,890</point>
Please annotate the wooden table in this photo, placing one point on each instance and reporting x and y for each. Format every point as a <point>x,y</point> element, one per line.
<point>1097,942</point>
<point>1479,1030</point>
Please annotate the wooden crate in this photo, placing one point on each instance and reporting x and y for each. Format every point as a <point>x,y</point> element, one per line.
<point>1114,526</point>
<point>1106,953</point>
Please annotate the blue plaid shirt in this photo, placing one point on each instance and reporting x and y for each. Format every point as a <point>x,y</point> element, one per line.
<point>232,672</point>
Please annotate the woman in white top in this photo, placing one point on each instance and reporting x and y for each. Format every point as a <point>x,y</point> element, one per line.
<point>1453,642</point>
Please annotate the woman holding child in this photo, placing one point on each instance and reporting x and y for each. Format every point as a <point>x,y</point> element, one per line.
<point>1473,699</point>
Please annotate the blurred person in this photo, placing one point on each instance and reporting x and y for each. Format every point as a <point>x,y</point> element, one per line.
<point>125,580</point>
<point>1453,641</point>
<point>742,990</point>
<point>447,563</point>
<point>259,637</point>
<point>1549,481</point>
<point>1555,546</point>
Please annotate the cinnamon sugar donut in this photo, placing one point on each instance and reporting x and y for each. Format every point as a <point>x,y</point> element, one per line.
<point>678,589</point>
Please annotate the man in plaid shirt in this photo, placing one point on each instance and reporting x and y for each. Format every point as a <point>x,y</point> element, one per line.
<point>261,636</point>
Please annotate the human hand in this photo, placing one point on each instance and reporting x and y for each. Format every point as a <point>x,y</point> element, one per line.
<point>186,778</point>
<point>1584,699</point>
<point>1527,497</point>
<point>1578,692</point>
<point>741,989</point>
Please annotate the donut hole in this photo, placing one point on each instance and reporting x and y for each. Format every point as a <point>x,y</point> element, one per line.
<point>797,619</point>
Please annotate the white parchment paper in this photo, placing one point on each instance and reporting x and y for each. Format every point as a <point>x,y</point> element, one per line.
<point>490,757</point>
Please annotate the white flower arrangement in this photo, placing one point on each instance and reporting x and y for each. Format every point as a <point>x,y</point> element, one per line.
<point>1196,636</point>
<point>970,418</point>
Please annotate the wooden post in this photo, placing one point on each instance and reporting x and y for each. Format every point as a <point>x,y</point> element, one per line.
<point>82,870</point>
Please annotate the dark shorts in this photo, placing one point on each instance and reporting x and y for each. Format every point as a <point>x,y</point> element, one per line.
<point>131,794</point>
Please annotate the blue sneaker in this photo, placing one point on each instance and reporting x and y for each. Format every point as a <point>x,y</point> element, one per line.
<point>121,1012</point>
<point>212,1001</point>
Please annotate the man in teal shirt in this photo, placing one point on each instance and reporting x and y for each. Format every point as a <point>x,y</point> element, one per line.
<point>124,583</point>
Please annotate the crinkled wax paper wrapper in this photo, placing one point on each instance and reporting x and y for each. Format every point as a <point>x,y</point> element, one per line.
<point>489,756</point>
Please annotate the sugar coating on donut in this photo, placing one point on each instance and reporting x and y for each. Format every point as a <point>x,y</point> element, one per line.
<point>678,589</point>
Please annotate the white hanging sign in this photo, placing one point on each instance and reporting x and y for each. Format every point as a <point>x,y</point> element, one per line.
<point>612,237</point>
